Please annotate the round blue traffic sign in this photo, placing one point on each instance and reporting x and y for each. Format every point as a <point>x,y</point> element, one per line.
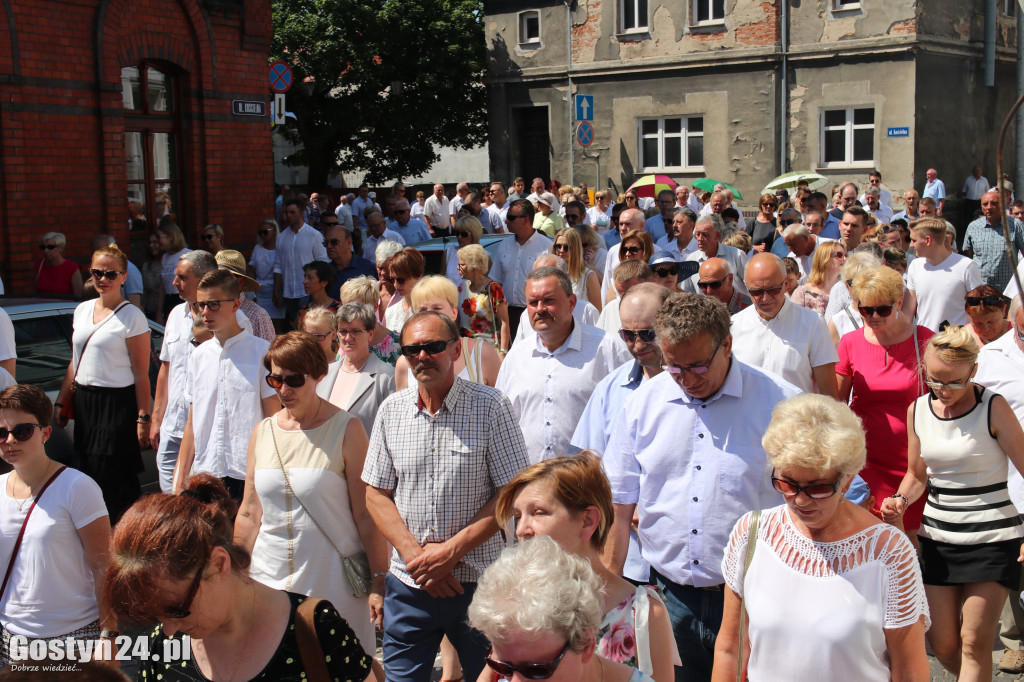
<point>585,134</point>
<point>280,77</point>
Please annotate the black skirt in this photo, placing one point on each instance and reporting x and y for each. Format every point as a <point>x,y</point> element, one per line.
<point>106,438</point>
<point>946,564</point>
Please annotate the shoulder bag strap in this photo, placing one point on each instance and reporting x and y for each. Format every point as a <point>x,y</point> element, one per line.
<point>310,651</point>
<point>21,533</point>
<point>495,331</point>
<point>755,517</point>
<point>89,338</point>
<point>856,325</point>
<point>917,369</point>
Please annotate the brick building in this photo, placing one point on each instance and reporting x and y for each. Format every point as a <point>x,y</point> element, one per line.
<point>744,90</point>
<point>116,112</point>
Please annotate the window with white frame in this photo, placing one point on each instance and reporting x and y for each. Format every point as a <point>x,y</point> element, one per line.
<point>848,137</point>
<point>632,16</point>
<point>529,27</point>
<point>707,12</point>
<point>671,143</point>
<point>1010,8</point>
<point>839,5</point>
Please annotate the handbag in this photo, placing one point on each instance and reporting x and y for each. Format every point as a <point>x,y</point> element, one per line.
<point>310,651</point>
<point>751,545</point>
<point>357,566</point>
<point>24,525</point>
<point>67,410</point>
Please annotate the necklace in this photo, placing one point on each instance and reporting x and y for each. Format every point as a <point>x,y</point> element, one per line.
<point>21,503</point>
<point>245,642</point>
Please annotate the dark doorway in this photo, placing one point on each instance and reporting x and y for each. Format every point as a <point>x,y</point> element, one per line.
<point>531,155</point>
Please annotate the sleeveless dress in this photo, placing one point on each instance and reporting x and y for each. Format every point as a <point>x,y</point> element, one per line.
<point>624,635</point>
<point>476,311</point>
<point>290,552</point>
<point>971,530</point>
<point>818,610</point>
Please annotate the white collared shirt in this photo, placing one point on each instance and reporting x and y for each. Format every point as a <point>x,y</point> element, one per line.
<point>736,259</point>
<point>513,263</point>
<point>791,344</point>
<point>1001,370</point>
<point>436,210</point>
<point>293,251</point>
<point>227,392</point>
<point>583,312</point>
<point>550,389</point>
<point>370,243</point>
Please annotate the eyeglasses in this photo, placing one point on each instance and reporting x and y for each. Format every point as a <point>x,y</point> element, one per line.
<point>208,237</point>
<point>696,370</point>
<point>818,491</point>
<point>331,242</point>
<point>276,381</point>
<point>214,306</point>
<point>47,247</point>
<point>560,247</point>
<point>21,432</point>
<point>953,386</point>
<point>319,337</point>
<point>185,609</point>
<point>342,333</point>
<point>430,348</point>
<point>531,671</point>
<point>772,291</point>
<point>105,274</point>
<point>769,204</point>
<point>263,233</point>
<point>464,234</point>
<point>628,198</point>
<point>869,310</point>
<point>631,335</point>
<point>571,218</point>
<point>713,285</point>
<point>631,250</point>
<point>994,301</point>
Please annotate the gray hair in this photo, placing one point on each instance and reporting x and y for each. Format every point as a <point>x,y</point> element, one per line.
<point>795,230</point>
<point>547,271</point>
<point>714,219</point>
<point>215,228</point>
<point>871,191</point>
<point>357,312</point>
<point>688,213</point>
<point>387,249</point>
<point>57,237</point>
<point>856,263</point>
<point>817,433</point>
<point>515,595</point>
<point>200,261</point>
<point>874,248</point>
<point>550,260</point>
<point>685,316</point>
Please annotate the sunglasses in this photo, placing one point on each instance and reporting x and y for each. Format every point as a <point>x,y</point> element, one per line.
<point>185,609</point>
<point>560,247</point>
<point>397,280</point>
<point>628,198</point>
<point>214,306</point>
<point>331,242</point>
<point>818,491</point>
<point>21,432</point>
<point>698,370</point>
<point>328,225</point>
<point>769,204</point>
<point>47,247</point>
<point>631,250</point>
<point>839,255</point>
<point>208,237</point>
<point>430,348</point>
<point>712,285</point>
<point>667,271</point>
<point>869,310</point>
<point>463,234</point>
<point>400,211</point>
<point>773,291</point>
<point>276,381</point>
<point>510,218</point>
<point>105,274</point>
<point>531,671</point>
<point>631,335</point>
<point>263,233</point>
<point>994,301</point>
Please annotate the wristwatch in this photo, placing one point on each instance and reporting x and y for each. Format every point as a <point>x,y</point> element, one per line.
<point>145,418</point>
<point>906,502</point>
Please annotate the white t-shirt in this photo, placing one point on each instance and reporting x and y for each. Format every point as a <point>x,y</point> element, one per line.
<point>940,289</point>
<point>51,587</point>
<point>106,363</point>
<point>8,347</point>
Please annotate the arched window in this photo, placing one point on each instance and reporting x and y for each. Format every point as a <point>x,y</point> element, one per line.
<point>152,139</point>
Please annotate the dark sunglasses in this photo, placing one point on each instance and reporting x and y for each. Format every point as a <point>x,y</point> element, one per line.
<point>869,310</point>
<point>104,274</point>
<point>713,285</point>
<point>47,247</point>
<point>531,671</point>
<point>757,293</point>
<point>400,211</point>
<point>818,491</point>
<point>631,250</point>
<point>464,234</point>
<point>397,280</point>
<point>276,381</point>
<point>214,306</point>
<point>667,271</point>
<point>994,301</point>
<point>631,335</point>
<point>571,218</point>
<point>328,225</point>
<point>208,237</point>
<point>22,432</point>
<point>560,247</point>
<point>430,348</point>
<point>331,242</point>
<point>262,233</point>
<point>509,217</point>
<point>185,609</point>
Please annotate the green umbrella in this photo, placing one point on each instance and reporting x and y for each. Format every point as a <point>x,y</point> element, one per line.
<point>708,185</point>
<point>791,180</point>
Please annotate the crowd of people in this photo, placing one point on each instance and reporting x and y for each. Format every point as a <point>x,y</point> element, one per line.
<point>640,439</point>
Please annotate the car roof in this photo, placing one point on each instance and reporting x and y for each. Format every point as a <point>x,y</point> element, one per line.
<point>442,243</point>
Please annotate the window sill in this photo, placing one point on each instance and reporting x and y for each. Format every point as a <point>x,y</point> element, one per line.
<point>714,26</point>
<point>633,36</point>
<point>530,46</point>
<point>856,165</point>
<point>845,10</point>
<point>670,170</point>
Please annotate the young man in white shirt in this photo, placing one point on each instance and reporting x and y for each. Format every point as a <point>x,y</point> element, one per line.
<point>938,279</point>
<point>229,393</point>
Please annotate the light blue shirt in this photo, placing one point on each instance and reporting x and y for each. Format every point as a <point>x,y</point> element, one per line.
<point>133,282</point>
<point>935,189</point>
<point>414,231</point>
<point>694,467</point>
<point>831,228</point>
<point>655,226</point>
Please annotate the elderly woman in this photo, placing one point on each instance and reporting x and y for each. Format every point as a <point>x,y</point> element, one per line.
<point>264,254</point>
<point>826,264</point>
<point>483,309</point>
<point>827,591</point>
<point>468,230</point>
<point>304,508</point>
<point>970,534</point>
<point>546,220</point>
<point>385,251</point>
<point>986,308</point>
<point>569,500</point>
<point>529,639</point>
<point>54,574</point>
<point>478,362</point>
<point>848,319</point>
<point>879,365</point>
<point>174,563</point>
<point>55,274</point>
<point>384,343</point>
<point>213,238</point>
<point>360,381</point>
<point>318,322</point>
<point>172,241</point>
<point>586,285</point>
<point>405,269</point>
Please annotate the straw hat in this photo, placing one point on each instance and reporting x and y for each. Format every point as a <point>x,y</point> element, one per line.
<point>234,262</point>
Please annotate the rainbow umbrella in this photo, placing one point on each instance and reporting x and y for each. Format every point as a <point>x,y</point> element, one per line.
<point>650,185</point>
<point>708,185</point>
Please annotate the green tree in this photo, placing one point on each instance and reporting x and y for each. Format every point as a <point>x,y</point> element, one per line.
<point>346,54</point>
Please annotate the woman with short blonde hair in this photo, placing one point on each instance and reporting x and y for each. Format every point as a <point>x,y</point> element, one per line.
<point>826,265</point>
<point>483,309</point>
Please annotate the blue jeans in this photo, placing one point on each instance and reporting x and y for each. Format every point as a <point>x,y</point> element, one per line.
<point>415,622</point>
<point>696,616</point>
<point>166,458</point>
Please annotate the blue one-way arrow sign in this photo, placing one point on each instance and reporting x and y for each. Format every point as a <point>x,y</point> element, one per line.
<point>584,107</point>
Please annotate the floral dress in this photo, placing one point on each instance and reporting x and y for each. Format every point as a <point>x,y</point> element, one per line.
<point>477,316</point>
<point>625,631</point>
<point>389,348</point>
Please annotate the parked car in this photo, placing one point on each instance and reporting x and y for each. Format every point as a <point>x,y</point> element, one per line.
<point>42,334</point>
<point>433,250</point>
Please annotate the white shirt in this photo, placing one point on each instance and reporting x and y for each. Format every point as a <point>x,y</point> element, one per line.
<point>492,221</point>
<point>454,204</point>
<point>344,213</point>
<point>106,363</point>
<point>8,347</point>
<point>227,392</point>
<point>416,210</point>
<point>514,262</point>
<point>583,312</point>
<point>550,389</point>
<point>736,259</point>
<point>884,198</point>
<point>883,213</point>
<point>370,244</point>
<point>1001,370</point>
<point>805,262</point>
<point>672,246</point>
<point>293,251</point>
<point>609,320</point>
<point>975,189</point>
<point>790,345</point>
<point>601,220</point>
<point>940,289</point>
<point>500,211</point>
<point>437,211</point>
<point>611,261</point>
<point>51,589</point>
<point>359,206</point>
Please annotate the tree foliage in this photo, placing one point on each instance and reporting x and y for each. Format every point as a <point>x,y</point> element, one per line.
<point>347,53</point>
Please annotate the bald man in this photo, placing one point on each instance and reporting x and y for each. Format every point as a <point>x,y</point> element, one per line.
<point>714,279</point>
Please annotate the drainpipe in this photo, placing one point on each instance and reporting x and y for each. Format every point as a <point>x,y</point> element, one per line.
<point>570,104</point>
<point>990,42</point>
<point>1018,183</point>
<point>784,94</point>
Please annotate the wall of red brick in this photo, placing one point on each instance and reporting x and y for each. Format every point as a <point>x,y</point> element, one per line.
<point>62,155</point>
